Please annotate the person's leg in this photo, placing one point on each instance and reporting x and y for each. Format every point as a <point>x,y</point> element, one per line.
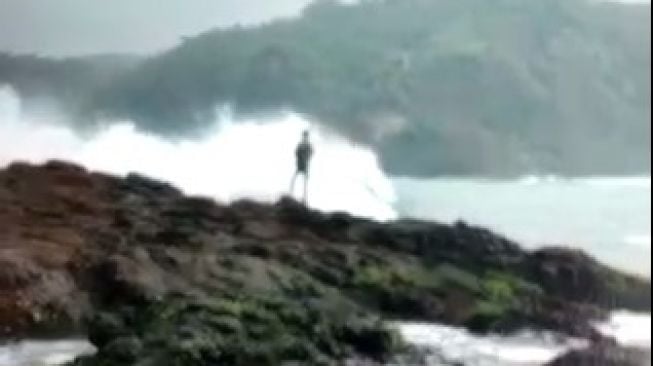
<point>305,197</point>
<point>292,183</point>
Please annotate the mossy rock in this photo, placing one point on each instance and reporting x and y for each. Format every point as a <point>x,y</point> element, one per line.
<point>248,330</point>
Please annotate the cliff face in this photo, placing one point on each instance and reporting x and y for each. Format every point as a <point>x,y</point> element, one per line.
<point>136,264</point>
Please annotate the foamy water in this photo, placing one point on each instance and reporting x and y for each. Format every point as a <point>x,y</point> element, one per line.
<point>523,349</point>
<point>458,345</point>
<point>43,353</point>
<point>628,328</point>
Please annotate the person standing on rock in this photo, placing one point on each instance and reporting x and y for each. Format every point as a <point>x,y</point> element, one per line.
<point>303,155</point>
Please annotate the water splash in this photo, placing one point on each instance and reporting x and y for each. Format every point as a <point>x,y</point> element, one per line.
<point>628,328</point>
<point>43,353</point>
<point>252,158</point>
<point>458,345</point>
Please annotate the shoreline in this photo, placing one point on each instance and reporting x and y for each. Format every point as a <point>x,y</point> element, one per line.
<point>430,341</point>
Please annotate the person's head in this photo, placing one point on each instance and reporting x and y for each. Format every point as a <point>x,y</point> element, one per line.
<point>305,135</point>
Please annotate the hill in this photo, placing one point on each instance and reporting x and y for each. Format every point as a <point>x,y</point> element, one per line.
<point>437,87</point>
<point>46,85</point>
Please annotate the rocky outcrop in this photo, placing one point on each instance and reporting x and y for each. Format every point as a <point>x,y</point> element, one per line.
<point>77,247</point>
<point>605,354</point>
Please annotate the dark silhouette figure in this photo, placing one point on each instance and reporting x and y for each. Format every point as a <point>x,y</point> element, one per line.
<point>303,155</point>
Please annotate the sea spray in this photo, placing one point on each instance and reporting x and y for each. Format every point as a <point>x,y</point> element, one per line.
<point>251,158</point>
<point>43,353</point>
<point>628,328</point>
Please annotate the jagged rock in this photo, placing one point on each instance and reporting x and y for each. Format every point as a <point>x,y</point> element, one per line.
<point>75,244</point>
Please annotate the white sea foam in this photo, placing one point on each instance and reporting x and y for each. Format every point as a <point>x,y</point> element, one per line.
<point>628,328</point>
<point>458,345</point>
<point>43,353</point>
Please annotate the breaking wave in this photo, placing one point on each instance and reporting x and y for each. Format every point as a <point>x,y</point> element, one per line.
<point>250,159</point>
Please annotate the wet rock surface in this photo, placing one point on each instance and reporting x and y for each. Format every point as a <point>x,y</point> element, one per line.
<point>87,252</point>
<point>605,354</point>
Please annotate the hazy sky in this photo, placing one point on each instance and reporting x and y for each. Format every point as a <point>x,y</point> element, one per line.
<point>71,27</point>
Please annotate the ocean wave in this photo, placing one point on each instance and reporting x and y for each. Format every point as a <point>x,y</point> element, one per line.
<point>458,345</point>
<point>539,179</point>
<point>43,353</point>
<point>253,158</point>
<point>628,328</point>
<point>528,348</point>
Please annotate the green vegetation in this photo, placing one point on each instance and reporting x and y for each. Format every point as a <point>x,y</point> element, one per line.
<point>480,302</point>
